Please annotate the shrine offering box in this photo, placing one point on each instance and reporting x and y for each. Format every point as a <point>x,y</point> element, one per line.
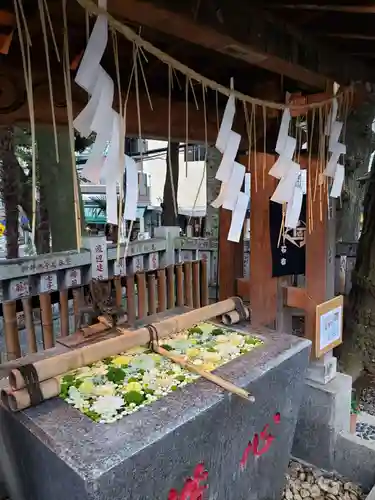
<point>198,442</point>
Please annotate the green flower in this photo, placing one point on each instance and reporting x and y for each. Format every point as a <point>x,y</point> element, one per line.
<point>194,330</point>
<point>115,375</point>
<point>218,331</point>
<point>134,397</point>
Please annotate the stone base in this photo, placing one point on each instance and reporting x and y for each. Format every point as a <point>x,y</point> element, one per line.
<point>324,413</point>
<point>60,454</point>
<point>324,370</point>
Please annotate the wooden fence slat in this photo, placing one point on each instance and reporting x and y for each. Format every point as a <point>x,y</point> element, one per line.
<point>12,341</point>
<point>204,283</point>
<point>29,325</point>
<point>188,284</point>
<point>196,284</point>
<point>118,288</point>
<point>64,313</point>
<point>162,290</point>
<point>142,295</point>
<point>180,285</point>
<point>46,319</point>
<point>78,302</point>
<point>170,287</point>
<point>151,289</point>
<point>130,299</point>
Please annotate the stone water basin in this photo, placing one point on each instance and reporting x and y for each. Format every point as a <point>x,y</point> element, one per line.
<point>118,386</point>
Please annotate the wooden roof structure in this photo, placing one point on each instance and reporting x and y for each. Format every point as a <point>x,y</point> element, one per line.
<point>267,50</point>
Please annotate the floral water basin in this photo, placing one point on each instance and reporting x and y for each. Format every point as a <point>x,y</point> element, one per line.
<point>108,390</point>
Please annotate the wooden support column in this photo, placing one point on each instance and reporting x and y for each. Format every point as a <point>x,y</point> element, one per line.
<point>262,287</point>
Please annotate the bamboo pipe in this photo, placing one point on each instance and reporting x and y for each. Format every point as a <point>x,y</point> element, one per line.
<point>151,289</point>
<point>12,341</point>
<point>64,313</point>
<point>224,384</point>
<point>20,400</point>
<point>162,291</point>
<point>71,360</point>
<point>29,325</point>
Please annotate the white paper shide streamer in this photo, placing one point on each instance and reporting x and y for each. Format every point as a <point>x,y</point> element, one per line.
<point>334,169</point>
<point>99,117</point>
<point>291,188</point>
<point>231,174</point>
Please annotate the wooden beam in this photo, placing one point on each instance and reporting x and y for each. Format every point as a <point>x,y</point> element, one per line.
<point>181,26</point>
<point>349,36</point>
<point>350,9</point>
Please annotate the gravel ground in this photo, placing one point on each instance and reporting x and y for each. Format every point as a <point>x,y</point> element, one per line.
<point>367,400</point>
<point>304,483</point>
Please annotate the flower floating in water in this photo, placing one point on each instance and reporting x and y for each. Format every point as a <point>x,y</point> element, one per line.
<point>110,389</point>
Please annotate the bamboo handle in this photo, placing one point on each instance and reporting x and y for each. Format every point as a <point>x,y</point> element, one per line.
<point>224,384</point>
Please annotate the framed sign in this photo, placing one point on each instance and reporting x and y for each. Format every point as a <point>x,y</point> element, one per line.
<point>329,325</point>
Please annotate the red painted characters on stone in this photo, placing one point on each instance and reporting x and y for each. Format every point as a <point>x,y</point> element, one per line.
<point>193,488</point>
<point>260,444</point>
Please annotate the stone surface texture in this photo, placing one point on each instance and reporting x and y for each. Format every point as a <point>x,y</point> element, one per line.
<point>59,453</point>
<point>324,413</point>
<point>304,482</point>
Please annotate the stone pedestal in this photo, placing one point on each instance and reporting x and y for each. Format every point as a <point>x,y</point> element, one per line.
<point>245,448</point>
<point>323,370</point>
<point>324,414</point>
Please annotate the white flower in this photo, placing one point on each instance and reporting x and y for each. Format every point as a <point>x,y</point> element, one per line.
<point>143,362</point>
<point>75,397</point>
<point>236,340</point>
<point>226,350</point>
<point>97,371</point>
<point>198,362</point>
<point>83,372</point>
<point>211,357</point>
<point>107,405</point>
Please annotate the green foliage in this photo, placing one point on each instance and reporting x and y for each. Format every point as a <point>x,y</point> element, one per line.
<point>167,347</point>
<point>134,397</point>
<point>195,329</point>
<point>217,331</point>
<point>115,375</point>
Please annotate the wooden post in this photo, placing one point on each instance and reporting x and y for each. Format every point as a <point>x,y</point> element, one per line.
<point>162,290</point>
<point>262,287</point>
<point>188,284</point>
<point>204,283</point>
<point>118,288</point>
<point>142,292</point>
<point>151,292</point>
<point>46,319</point>
<point>179,286</point>
<point>12,341</point>
<point>29,325</point>
<point>170,287</point>
<point>196,284</point>
<point>230,257</point>
<point>130,299</point>
<point>64,313</point>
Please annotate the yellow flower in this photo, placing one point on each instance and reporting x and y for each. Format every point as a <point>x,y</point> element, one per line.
<point>211,357</point>
<point>208,367</point>
<point>192,352</point>
<point>221,339</point>
<point>87,387</point>
<point>133,386</point>
<point>121,360</point>
<point>104,390</point>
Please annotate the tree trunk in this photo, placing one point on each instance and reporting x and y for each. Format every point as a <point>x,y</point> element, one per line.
<point>169,217</point>
<point>358,349</point>
<point>10,184</point>
<point>359,140</point>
